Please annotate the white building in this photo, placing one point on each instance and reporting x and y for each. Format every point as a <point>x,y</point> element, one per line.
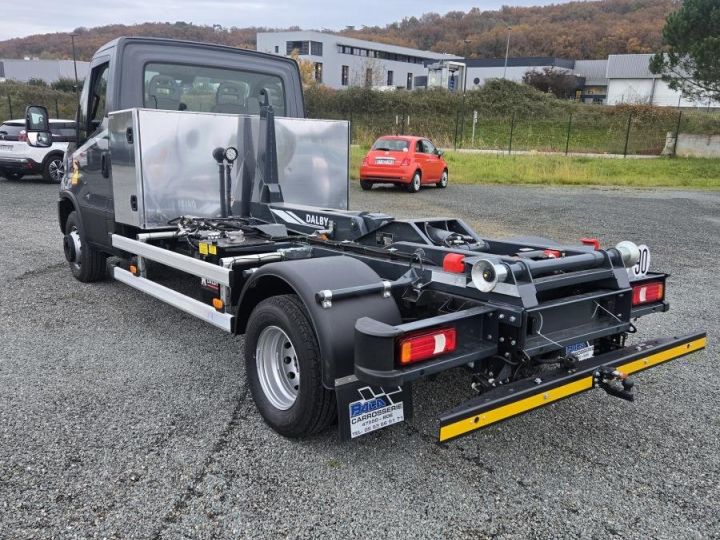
<point>631,81</point>
<point>47,70</point>
<point>480,70</point>
<point>341,61</point>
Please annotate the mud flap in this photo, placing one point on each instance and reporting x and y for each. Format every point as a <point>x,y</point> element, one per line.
<point>363,409</point>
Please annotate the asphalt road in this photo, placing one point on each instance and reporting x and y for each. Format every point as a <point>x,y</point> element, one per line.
<point>123,418</point>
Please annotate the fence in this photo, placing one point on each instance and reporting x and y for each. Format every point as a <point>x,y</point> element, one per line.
<point>14,99</point>
<point>585,129</point>
<point>581,129</point>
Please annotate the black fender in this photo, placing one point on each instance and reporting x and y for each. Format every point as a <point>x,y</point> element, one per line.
<point>334,326</point>
<point>67,204</point>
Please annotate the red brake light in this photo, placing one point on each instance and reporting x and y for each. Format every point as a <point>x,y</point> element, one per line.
<point>454,262</point>
<point>419,347</point>
<point>645,293</point>
<point>22,136</point>
<point>364,161</point>
<point>405,162</point>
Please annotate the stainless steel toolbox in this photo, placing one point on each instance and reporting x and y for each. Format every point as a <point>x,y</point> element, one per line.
<point>162,164</point>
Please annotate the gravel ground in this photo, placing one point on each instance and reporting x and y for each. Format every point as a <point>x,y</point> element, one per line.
<point>123,418</point>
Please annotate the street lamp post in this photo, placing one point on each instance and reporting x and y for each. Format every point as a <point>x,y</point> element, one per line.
<point>462,117</point>
<point>507,52</point>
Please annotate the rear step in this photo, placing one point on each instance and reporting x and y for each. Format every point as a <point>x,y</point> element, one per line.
<point>522,396</point>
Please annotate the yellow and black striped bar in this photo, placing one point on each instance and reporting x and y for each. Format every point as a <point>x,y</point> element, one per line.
<point>518,398</point>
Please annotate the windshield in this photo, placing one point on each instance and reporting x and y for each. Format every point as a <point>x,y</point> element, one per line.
<point>210,89</point>
<point>393,145</point>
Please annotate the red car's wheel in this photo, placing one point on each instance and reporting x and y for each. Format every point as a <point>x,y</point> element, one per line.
<point>443,180</point>
<point>414,185</point>
<point>366,185</point>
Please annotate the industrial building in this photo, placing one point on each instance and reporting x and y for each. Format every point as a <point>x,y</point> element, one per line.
<point>47,70</point>
<point>340,62</point>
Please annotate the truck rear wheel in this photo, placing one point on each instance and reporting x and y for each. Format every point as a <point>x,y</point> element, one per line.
<point>87,264</point>
<point>282,360</point>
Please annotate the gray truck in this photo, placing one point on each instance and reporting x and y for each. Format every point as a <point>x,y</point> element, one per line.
<point>197,180</point>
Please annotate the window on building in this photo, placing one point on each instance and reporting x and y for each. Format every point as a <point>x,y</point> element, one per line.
<point>277,49</point>
<point>368,77</point>
<point>302,47</point>
<point>316,48</point>
<point>390,75</point>
<point>345,76</point>
<point>318,71</point>
<point>409,85</point>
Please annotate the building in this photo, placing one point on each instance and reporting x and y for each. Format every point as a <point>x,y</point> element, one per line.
<point>593,74</point>
<point>480,70</point>
<point>631,81</point>
<point>47,70</point>
<point>340,62</point>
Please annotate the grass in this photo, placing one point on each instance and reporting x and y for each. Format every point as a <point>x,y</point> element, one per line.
<point>468,168</point>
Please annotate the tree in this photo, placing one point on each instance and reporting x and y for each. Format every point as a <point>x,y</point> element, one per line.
<point>307,69</point>
<point>35,81</point>
<point>64,84</point>
<point>554,81</point>
<point>692,37</point>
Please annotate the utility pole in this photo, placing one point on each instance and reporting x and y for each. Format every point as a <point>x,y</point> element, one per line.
<point>507,51</point>
<point>462,121</point>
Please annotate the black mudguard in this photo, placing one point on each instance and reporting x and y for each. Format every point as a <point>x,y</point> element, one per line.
<point>335,325</point>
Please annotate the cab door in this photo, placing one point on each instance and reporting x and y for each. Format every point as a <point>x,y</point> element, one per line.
<point>90,174</point>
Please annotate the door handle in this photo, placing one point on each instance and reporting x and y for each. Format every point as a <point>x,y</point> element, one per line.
<point>105,165</point>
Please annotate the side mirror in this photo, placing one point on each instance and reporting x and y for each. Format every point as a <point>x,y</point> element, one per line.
<point>440,153</point>
<point>37,126</point>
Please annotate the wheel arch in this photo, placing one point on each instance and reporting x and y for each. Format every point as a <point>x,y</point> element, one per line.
<point>65,207</point>
<point>335,326</point>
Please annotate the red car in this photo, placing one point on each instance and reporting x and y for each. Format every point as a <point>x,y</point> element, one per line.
<point>412,161</point>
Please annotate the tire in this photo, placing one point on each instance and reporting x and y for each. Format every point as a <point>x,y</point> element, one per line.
<point>366,185</point>
<point>53,169</point>
<point>13,175</point>
<point>443,180</point>
<point>414,185</point>
<point>89,264</point>
<point>274,324</point>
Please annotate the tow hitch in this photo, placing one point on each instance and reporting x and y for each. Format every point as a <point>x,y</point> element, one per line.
<point>607,379</point>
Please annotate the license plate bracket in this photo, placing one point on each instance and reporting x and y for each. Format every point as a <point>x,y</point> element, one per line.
<point>582,351</point>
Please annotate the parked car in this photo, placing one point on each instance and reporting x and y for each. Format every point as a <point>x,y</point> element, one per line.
<point>408,161</point>
<point>18,158</point>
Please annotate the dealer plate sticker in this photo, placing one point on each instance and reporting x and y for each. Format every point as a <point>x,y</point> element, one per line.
<point>581,351</point>
<point>375,411</point>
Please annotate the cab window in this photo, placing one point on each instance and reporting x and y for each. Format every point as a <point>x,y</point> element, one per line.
<point>178,87</point>
<point>93,102</point>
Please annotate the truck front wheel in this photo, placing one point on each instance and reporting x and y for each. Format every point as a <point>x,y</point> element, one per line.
<point>87,264</point>
<point>282,360</point>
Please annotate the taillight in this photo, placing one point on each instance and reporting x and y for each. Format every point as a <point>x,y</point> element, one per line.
<point>22,136</point>
<point>405,162</point>
<point>419,347</point>
<point>454,262</point>
<point>645,293</point>
<point>364,161</point>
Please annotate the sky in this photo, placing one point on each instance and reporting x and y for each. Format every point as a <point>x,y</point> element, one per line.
<point>18,19</point>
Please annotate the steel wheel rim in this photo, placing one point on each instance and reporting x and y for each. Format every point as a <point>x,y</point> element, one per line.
<point>444,179</point>
<point>416,182</point>
<point>56,169</point>
<point>277,367</point>
<point>75,237</point>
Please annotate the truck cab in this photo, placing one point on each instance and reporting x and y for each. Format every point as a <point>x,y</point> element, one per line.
<point>162,74</point>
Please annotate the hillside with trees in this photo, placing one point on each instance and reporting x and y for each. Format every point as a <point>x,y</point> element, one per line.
<point>571,30</point>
